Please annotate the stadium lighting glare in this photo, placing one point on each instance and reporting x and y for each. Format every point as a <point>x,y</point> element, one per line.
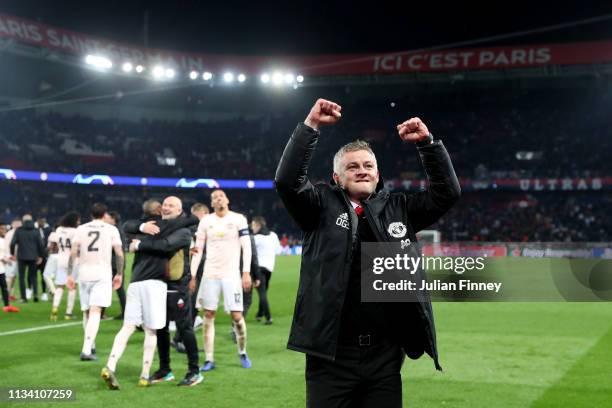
<point>170,73</point>
<point>300,78</point>
<point>228,77</point>
<point>158,72</point>
<point>139,68</point>
<point>127,67</point>
<point>265,78</point>
<point>277,78</point>
<point>295,86</point>
<point>207,76</point>
<point>193,75</point>
<point>241,78</point>
<point>289,78</point>
<point>98,61</point>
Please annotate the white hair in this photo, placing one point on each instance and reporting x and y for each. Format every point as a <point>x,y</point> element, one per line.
<point>351,147</point>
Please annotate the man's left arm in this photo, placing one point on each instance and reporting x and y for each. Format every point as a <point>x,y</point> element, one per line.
<point>163,246</point>
<point>426,207</point>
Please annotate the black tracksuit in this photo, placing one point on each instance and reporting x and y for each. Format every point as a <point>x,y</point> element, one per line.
<point>30,248</point>
<point>323,327</point>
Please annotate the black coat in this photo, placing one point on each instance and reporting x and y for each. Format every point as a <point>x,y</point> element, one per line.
<point>30,244</point>
<point>164,256</point>
<point>327,251</point>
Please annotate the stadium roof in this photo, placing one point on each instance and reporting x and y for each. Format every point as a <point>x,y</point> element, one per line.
<point>314,27</point>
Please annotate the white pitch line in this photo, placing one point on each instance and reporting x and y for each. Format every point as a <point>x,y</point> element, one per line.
<point>33,329</point>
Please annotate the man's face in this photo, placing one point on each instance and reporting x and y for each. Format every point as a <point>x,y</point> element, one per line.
<point>16,224</point>
<point>358,174</point>
<point>156,209</point>
<point>2,231</point>
<point>218,200</point>
<point>171,208</point>
<point>255,226</point>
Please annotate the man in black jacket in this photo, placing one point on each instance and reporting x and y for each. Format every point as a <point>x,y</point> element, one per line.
<point>30,252</point>
<point>354,350</point>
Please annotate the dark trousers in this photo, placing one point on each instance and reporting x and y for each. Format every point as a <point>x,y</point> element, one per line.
<point>179,310</point>
<point>359,377</point>
<point>4,288</point>
<point>264,305</point>
<point>193,297</point>
<point>31,265</point>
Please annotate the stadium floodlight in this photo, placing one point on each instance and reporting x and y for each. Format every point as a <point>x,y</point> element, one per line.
<point>127,67</point>
<point>228,77</point>
<point>170,73</point>
<point>265,78</point>
<point>139,68</point>
<point>277,78</point>
<point>300,78</point>
<point>98,61</point>
<point>207,76</point>
<point>158,72</point>
<point>193,75</point>
<point>289,78</point>
<point>241,78</point>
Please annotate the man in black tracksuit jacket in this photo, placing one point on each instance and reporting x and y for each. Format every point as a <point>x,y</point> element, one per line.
<point>354,350</point>
<point>30,252</point>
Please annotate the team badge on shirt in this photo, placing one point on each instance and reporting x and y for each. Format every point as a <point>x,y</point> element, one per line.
<point>397,230</point>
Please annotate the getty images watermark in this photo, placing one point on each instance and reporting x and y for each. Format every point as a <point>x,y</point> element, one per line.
<point>399,272</point>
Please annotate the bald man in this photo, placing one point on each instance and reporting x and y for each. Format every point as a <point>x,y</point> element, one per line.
<point>160,258</point>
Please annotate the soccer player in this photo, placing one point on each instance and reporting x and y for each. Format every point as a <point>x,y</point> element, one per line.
<point>224,233</point>
<point>11,264</point>
<point>8,308</point>
<point>94,243</point>
<point>63,237</point>
<point>51,264</point>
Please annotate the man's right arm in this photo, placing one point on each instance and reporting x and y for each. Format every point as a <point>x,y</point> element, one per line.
<point>299,195</point>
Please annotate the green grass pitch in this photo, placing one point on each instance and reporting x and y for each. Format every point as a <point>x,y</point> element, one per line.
<point>494,355</point>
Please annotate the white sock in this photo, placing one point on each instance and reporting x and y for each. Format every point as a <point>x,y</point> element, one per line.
<point>91,331</point>
<point>150,341</point>
<point>119,344</point>
<point>57,297</point>
<point>208,330</point>
<point>71,300</point>
<point>241,335</point>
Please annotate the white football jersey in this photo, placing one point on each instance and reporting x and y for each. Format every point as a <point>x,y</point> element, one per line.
<point>96,240</point>
<point>64,238</point>
<point>222,237</point>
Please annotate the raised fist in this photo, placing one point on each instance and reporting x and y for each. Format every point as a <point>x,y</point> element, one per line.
<point>323,113</point>
<point>412,130</point>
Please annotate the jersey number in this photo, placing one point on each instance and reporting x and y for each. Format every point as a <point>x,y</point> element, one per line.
<point>65,245</point>
<point>96,235</point>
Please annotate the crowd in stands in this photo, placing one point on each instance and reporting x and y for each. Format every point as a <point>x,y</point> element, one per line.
<point>555,133</point>
<point>535,133</point>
